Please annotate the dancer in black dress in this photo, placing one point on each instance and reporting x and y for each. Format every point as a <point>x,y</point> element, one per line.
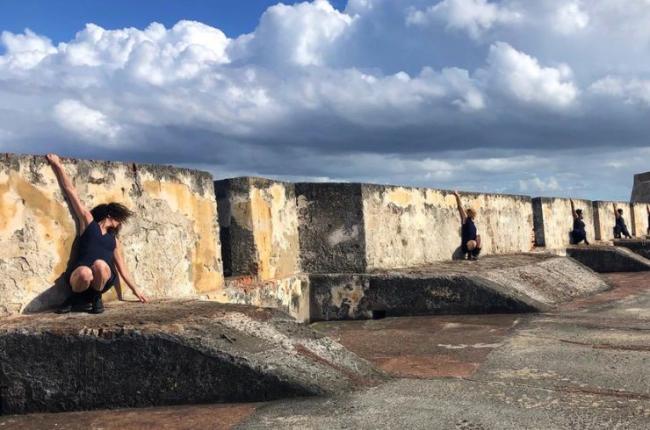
<point>578,234</point>
<point>470,239</point>
<point>620,228</point>
<point>99,256</point>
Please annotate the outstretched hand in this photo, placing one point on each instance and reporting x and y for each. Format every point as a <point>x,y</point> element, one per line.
<point>53,159</point>
<point>141,297</point>
<point>456,193</point>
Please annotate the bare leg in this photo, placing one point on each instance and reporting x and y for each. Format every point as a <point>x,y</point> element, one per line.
<point>81,278</point>
<point>101,274</point>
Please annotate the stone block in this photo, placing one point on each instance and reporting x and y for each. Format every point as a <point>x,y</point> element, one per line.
<point>553,221</point>
<point>259,227</point>
<point>171,245</point>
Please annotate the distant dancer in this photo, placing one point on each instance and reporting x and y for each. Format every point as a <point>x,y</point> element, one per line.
<point>471,240</point>
<point>99,252</point>
<point>578,234</point>
<point>620,228</point>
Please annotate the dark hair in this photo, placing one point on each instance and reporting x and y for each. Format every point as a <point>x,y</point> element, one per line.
<point>579,211</point>
<point>117,211</point>
<point>620,211</point>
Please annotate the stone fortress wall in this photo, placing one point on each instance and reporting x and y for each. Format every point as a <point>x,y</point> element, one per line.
<point>171,245</point>
<point>604,216</point>
<point>268,233</point>
<point>554,220</point>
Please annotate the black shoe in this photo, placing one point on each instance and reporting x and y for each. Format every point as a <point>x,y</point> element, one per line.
<point>76,302</point>
<point>97,304</point>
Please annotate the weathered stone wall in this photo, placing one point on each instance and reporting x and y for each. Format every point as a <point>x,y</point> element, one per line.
<point>406,227</point>
<point>363,227</point>
<point>641,188</point>
<point>331,226</point>
<point>259,227</point>
<point>171,245</point>
<point>554,220</point>
<point>604,219</point>
<point>289,294</point>
<point>640,219</point>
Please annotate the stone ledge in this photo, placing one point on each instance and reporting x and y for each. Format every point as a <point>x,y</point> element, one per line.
<point>175,352</point>
<point>609,259</point>
<point>504,284</point>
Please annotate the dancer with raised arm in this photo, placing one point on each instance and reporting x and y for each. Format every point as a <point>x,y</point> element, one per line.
<point>620,228</point>
<point>470,239</point>
<point>578,234</point>
<point>99,257</point>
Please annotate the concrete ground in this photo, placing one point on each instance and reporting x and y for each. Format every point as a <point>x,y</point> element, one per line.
<point>584,366</point>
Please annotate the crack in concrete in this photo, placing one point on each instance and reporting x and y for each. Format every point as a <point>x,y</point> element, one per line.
<point>602,392</point>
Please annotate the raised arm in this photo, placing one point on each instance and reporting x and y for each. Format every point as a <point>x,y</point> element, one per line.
<point>463,215</point>
<point>124,272</point>
<point>615,211</point>
<point>80,211</point>
<point>573,210</point>
<point>648,208</point>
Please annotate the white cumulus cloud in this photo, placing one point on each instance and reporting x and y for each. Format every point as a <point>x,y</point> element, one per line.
<point>383,91</point>
<point>88,123</point>
<point>473,16</point>
<point>570,18</point>
<point>522,77</point>
<point>630,90</point>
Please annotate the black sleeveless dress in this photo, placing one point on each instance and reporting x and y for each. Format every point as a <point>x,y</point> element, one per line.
<point>579,233</point>
<point>92,245</point>
<point>468,232</point>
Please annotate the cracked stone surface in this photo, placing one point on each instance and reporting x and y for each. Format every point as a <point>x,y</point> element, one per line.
<point>524,282</point>
<point>175,352</point>
<point>582,366</point>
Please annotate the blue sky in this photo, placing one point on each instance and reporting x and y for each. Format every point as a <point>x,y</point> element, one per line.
<point>550,97</point>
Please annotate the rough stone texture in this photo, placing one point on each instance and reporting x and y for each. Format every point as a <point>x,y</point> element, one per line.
<point>581,368</point>
<point>171,245</point>
<point>640,222</point>
<point>514,283</point>
<point>638,246</point>
<point>290,294</point>
<point>641,188</point>
<point>407,227</point>
<point>361,227</point>
<point>553,221</point>
<point>167,353</point>
<point>604,219</point>
<point>259,225</point>
<point>609,259</point>
<point>331,227</point>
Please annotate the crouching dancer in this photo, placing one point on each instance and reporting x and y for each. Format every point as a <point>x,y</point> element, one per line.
<point>471,241</point>
<point>98,250</point>
<point>578,234</point>
<point>620,228</point>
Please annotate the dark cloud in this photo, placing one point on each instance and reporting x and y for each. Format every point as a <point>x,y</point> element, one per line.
<point>548,97</point>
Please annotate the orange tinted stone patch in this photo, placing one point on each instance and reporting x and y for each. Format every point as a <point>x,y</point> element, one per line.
<point>223,417</point>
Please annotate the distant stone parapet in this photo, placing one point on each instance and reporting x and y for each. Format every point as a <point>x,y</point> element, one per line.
<point>641,188</point>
